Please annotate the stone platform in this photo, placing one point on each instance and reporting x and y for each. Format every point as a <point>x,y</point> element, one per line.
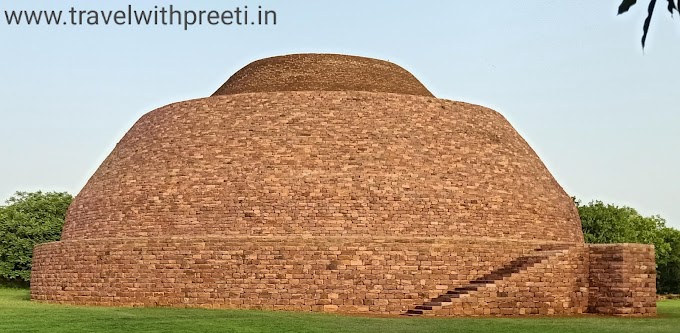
<point>383,275</point>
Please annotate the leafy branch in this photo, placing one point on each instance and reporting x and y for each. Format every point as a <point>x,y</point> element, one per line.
<point>626,4</point>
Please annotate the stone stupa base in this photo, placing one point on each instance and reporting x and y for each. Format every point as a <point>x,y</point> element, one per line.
<point>389,275</point>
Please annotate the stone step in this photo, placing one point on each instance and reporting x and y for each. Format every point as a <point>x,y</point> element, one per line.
<point>466,288</point>
<point>445,298</point>
<point>482,282</point>
<point>428,307</point>
<point>437,303</point>
<point>554,247</point>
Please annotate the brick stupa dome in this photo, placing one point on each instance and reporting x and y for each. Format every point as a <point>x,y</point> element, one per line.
<point>328,72</point>
<point>308,182</point>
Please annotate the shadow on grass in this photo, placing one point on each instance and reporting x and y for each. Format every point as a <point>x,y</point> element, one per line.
<point>15,294</point>
<point>13,284</point>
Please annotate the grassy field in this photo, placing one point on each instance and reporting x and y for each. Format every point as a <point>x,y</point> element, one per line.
<point>18,314</point>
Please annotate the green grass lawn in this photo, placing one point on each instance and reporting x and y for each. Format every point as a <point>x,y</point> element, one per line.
<point>18,314</point>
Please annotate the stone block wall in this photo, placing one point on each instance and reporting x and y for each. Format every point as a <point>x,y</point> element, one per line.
<point>323,164</point>
<point>377,275</point>
<point>330,72</point>
<point>555,286</point>
<point>622,279</point>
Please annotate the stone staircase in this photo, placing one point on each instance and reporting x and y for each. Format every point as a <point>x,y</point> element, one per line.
<point>516,266</point>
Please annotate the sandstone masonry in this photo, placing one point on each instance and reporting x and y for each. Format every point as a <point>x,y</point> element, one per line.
<point>334,183</point>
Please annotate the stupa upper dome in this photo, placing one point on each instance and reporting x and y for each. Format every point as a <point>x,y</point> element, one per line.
<point>322,72</point>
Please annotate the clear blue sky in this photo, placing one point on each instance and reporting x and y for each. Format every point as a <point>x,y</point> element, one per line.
<point>569,75</point>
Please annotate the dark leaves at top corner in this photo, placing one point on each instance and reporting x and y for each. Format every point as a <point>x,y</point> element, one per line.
<point>648,20</point>
<point>625,6</point>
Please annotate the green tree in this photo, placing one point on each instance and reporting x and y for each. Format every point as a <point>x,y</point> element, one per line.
<point>28,219</point>
<point>626,4</point>
<point>669,270</point>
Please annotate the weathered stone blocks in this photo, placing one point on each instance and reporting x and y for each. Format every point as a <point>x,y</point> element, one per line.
<point>622,279</point>
<point>370,275</point>
<point>329,72</point>
<point>323,164</point>
<point>333,183</point>
<point>378,275</point>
